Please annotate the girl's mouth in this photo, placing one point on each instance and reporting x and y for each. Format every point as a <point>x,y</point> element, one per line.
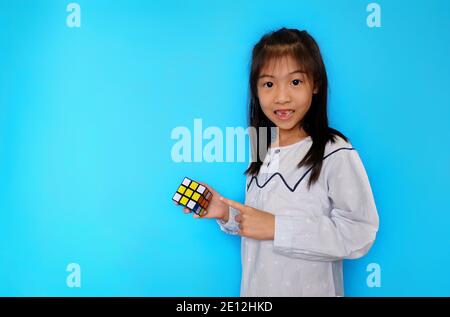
<point>284,114</point>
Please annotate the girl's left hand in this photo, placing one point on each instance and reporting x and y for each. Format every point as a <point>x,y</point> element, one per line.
<point>253,223</point>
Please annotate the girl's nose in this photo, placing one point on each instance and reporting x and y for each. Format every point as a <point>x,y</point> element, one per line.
<point>282,96</point>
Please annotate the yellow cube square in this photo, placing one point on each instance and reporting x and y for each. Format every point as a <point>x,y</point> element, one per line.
<point>184,200</point>
<point>181,189</point>
<point>188,192</point>
<point>193,185</point>
<point>196,196</point>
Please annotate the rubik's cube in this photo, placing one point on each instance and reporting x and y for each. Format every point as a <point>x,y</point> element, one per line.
<point>194,196</point>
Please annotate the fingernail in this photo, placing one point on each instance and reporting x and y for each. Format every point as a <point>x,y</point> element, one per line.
<point>221,198</point>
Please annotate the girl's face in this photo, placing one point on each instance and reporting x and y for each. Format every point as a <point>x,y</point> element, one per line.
<point>285,93</point>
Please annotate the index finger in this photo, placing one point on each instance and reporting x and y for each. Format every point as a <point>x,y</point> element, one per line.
<point>233,204</point>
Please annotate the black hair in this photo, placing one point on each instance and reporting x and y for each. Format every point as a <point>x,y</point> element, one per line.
<point>304,49</point>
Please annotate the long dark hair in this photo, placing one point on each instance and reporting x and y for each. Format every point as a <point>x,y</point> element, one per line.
<point>304,49</point>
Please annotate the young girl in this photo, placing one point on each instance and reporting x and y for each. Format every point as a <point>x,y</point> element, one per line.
<point>301,220</point>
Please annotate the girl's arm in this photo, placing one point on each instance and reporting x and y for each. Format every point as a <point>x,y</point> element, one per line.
<point>350,229</point>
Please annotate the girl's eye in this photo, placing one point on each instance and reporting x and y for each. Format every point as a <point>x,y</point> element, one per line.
<point>296,82</point>
<point>268,84</point>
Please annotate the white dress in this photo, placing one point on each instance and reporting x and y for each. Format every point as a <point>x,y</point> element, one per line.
<point>315,229</point>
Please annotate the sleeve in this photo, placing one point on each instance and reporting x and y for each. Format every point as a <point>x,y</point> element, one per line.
<point>230,227</point>
<point>350,229</point>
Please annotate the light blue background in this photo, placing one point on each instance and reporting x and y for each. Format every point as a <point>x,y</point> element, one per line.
<point>86,114</point>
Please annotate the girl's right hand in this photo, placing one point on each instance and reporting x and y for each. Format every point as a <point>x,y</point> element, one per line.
<point>217,209</point>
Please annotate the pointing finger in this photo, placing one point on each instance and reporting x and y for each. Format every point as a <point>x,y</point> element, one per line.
<point>233,204</point>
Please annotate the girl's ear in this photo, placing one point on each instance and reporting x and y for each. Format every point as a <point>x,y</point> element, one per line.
<point>316,87</point>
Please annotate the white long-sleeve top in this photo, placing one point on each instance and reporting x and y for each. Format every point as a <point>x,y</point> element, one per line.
<point>315,229</point>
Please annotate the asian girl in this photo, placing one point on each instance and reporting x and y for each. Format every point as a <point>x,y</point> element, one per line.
<point>300,220</point>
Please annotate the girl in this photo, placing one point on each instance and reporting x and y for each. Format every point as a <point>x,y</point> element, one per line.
<point>300,220</point>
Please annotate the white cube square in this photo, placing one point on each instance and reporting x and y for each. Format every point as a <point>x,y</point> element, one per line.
<point>191,204</point>
<point>186,181</point>
<point>201,189</point>
<point>177,197</point>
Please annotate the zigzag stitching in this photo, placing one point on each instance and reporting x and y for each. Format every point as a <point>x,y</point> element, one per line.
<point>301,178</point>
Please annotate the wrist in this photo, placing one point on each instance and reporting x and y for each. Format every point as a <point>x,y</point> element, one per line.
<point>225,217</point>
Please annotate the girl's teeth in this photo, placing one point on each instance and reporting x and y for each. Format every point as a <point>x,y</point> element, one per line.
<point>284,114</point>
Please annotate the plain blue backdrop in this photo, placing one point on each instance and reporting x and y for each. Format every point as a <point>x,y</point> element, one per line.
<point>86,115</point>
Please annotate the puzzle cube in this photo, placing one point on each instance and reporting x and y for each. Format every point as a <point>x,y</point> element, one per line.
<point>194,196</point>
